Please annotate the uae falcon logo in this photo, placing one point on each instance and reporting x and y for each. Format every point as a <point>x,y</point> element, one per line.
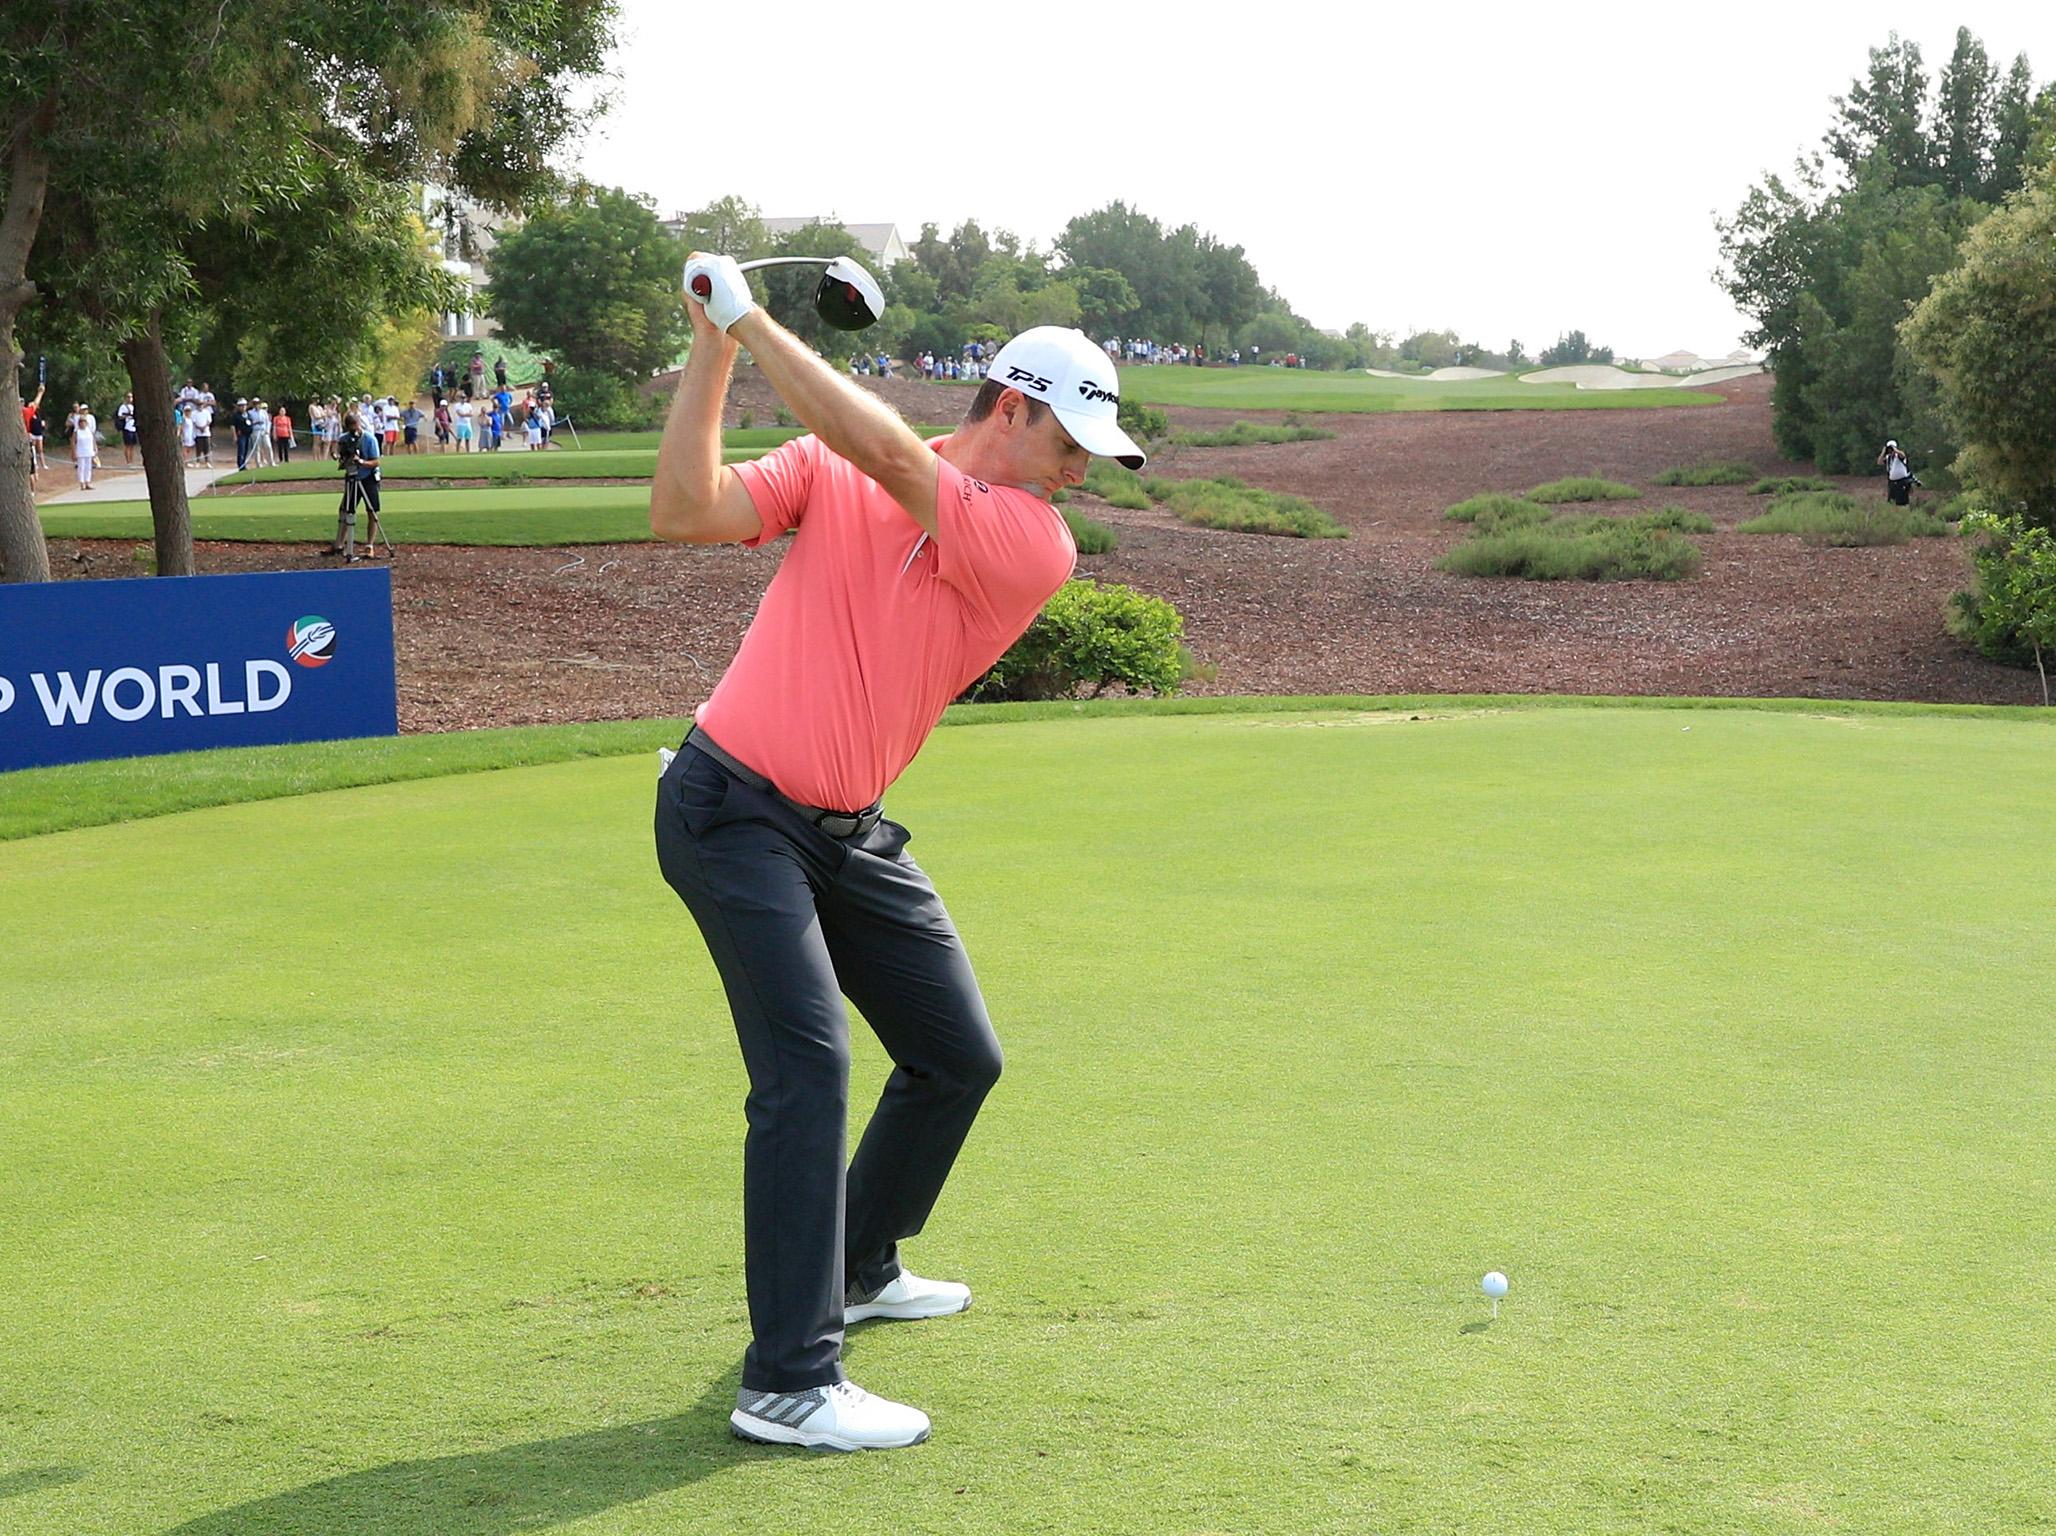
<point>311,641</point>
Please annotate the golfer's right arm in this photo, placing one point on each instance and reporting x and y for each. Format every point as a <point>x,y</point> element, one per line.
<point>694,498</point>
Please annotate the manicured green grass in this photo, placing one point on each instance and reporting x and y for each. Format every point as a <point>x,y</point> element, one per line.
<point>590,464</point>
<point>633,457</point>
<point>1583,488</point>
<point>1300,389</point>
<point>515,515</point>
<point>381,1167</point>
<point>1831,518</point>
<point>1708,472</point>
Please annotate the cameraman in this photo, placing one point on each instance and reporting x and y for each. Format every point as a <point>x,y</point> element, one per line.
<point>1898,474</point>
<point>357,454</point>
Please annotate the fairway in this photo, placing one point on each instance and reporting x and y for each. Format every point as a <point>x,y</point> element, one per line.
<point>373,1156</point>
<point>1305,389</point>
<point>492,515</point>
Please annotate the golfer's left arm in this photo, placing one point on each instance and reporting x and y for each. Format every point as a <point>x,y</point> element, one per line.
<point>853,423</point>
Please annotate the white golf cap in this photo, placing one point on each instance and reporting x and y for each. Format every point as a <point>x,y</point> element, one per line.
<point>1064,370</point>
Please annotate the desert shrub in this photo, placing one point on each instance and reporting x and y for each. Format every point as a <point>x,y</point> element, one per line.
<point>1832,518</point>
<point>1496,510</point>
<point>1583,488</point>
<point>1606,550</point>
<point>1245,433</point>
<point>1090,537</point>
<point>1959,506</point>
<point>1664,519</point>
<point>785,418</point>
<point>1144,423</point>
<point>1092,637</point>
<point>1228,503</point>
<point>1708,472</point>
<point>1116,485</point>
<point>2010,615</point>
<point>1785,485</point>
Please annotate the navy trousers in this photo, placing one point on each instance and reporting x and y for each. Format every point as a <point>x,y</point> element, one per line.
<point>796,921</point>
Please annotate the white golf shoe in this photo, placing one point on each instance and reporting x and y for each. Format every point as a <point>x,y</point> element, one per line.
<point>906,1296</point>
<point>842,1417</point>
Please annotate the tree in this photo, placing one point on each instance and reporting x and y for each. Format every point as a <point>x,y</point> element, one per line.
<point>1572,348</point>
<point>1966,113</point>
<point>1987,333</point>
<point>135,158</point>
<point>2012,130</point>
<point>1881,120</point>
<point>593,281</point>
<point>1515,357</point>
<point>728,226</point>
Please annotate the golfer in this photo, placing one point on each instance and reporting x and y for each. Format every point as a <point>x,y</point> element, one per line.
<point>913,566</point>
<point>1898,474</point>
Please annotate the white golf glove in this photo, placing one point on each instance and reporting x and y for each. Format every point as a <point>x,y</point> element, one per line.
<point>727,297</point>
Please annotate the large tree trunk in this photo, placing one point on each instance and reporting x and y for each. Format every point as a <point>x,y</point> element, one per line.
<point>24,556</point>
<point>164,471</point>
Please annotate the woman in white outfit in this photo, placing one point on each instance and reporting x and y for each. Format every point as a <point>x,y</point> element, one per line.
<point>85,443</point>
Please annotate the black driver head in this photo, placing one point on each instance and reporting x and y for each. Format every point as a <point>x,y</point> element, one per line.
<point>848,297</point>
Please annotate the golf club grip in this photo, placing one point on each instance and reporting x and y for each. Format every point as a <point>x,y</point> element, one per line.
<point>698,282</point>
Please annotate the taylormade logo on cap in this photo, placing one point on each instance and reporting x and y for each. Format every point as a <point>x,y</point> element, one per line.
<point>1066,372</point>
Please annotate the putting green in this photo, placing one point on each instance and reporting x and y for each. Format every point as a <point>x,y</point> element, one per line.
<point>373,1155</point>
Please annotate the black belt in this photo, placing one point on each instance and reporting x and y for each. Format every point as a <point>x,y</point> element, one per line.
<point>834,823</point>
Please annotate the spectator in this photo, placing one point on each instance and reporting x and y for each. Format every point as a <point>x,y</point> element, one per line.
<point>465,440</point>
<point>500,372</point>
<point>442,426</point>
<point>85,442</point>
<point>282,435</point>
<point>474,380</point>
<point>125,419</point>
<point>410,425</point>
<point>240,422</point>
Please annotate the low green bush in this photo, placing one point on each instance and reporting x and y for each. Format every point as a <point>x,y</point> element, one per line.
<point>1090,537</point>
<point>1144,423</point>
<point>2010,615</point>
<point>1245,433</point>
<point>1092,637</point>
<point>1708,472</point>
<point>1785,485</point>
<point>1583,488</point>
<point>1495,509</point>
<point>1839,520</point>
<point>1618,551</point>
<point>1228,503</point>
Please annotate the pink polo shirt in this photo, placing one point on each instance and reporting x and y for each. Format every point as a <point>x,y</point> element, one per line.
<point>871,628</point>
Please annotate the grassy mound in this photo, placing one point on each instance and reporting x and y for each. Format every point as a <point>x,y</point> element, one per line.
<point>1496,509</point>
<point>1835,519</point>
<point>1243,434</point>
<point>1583,488</point>
<point>1594,547</point>
<point>1229,504</point>
<point>1708,472</point>
<point>1116,485</point>
<point>1785,485</point>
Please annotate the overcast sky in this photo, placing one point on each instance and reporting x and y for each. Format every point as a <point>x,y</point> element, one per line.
<point>1502,170</point>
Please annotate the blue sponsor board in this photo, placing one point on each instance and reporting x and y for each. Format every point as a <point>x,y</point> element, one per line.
<point>173,664</point>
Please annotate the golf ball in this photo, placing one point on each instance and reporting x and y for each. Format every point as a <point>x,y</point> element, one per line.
<point>1495,1285</point>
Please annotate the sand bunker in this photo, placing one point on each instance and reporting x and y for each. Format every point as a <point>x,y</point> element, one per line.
<point>1606,376</point>
<point>1438,375</point>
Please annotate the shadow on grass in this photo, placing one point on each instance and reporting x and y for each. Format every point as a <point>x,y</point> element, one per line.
<point>518,1487</point>
<point>35,1479</point>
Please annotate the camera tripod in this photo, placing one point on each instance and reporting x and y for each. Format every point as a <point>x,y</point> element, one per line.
<point>354,491</point>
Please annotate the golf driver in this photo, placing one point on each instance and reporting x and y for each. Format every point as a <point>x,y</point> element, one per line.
<point>848,297</point>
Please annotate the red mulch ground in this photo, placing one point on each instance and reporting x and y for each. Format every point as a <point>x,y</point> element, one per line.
<point>520,636</point>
